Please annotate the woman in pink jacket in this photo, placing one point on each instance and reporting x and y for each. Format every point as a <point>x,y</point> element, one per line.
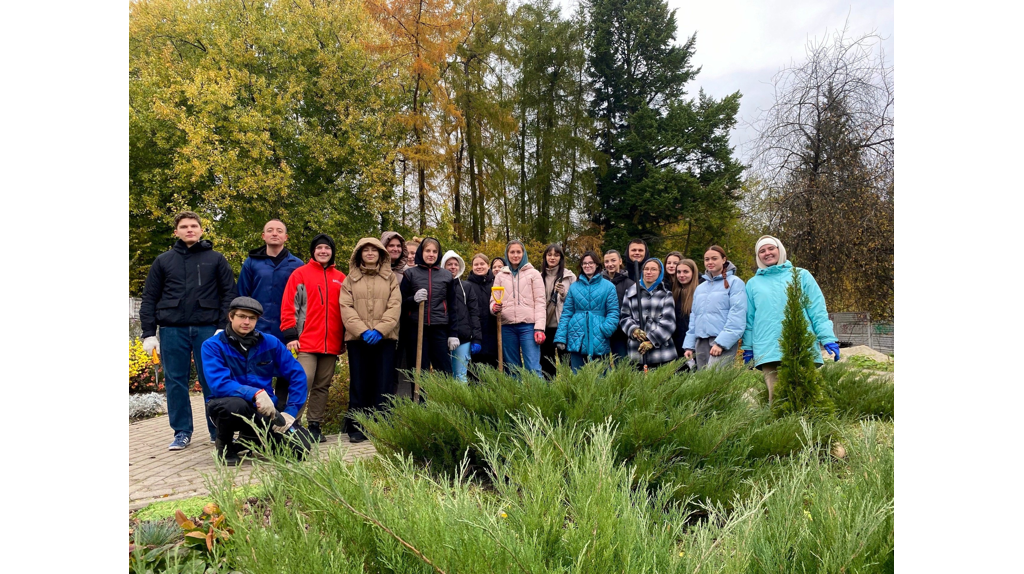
<point>522,309</point>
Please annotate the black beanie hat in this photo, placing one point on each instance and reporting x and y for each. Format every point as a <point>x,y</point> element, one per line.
<point>326,240</point>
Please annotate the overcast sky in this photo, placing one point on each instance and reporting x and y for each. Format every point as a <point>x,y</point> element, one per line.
<point>742,44</point>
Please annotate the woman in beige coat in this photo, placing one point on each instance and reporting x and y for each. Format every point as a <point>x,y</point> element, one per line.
<point>371,305</point>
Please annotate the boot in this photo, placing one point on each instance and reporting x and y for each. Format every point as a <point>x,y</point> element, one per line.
<point>314,431</point>
<point>228,452</point>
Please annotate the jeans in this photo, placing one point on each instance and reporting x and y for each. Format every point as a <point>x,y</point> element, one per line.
<point>460,362</point>
<point>576,360</point>
<point>517,338</point>
<point>178,346</point>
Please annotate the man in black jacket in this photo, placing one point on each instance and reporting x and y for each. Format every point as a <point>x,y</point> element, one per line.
<point>187,294</point>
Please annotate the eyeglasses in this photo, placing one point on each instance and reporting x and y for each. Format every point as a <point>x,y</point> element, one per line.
<point>246,317</point>
<point>589,264</point>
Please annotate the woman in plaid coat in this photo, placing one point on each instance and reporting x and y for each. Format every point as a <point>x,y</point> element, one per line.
<point>648,317</point>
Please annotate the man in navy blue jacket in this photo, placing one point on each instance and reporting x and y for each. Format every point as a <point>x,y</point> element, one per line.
<point>187,293</point>
<point>263,277</point>
<point>241,363</point>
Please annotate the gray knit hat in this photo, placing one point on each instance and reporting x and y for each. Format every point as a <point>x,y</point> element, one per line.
<point>246,303</point>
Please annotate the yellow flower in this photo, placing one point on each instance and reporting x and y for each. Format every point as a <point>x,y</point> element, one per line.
<point>808,515</point>
<point>503,515</point>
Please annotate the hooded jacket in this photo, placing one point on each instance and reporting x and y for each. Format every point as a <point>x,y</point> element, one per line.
<point>766,307</point>
<point>523,300</point>
<point>440,291</point>
<point>370,297</point>
<point>263,278</point>
<point>634,269</point>
<point>481,285</point>
<point>187,286</point>
<point>718,312</point>
<point>651,309</point>
<point>397,268</point>
<point>467,306</point>
<point>589,317</point>
<point>555,301</point>
<point>229,373</point>
<point>310,312</point>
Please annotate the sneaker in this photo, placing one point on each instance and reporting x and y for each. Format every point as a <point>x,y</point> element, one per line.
<point>181,440</point>
<point>314,431</point>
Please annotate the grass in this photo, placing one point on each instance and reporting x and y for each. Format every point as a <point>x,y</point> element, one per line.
<point>189,506</point>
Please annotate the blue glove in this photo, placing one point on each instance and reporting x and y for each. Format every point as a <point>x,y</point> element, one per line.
<point>475,348</point>
<point>372,336</point>
<point>748,356</point>
<point>833,349</point>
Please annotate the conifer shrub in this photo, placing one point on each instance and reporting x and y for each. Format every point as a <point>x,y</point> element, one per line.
<point>558,499</point>
<point>799,387</point>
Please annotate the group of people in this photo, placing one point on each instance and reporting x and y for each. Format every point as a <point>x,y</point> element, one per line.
<point>265,349</point>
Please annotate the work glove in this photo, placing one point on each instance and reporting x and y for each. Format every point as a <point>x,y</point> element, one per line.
<point>420,296</point>
<point>475,348</point>
<point>833,349</point>
<point>645,346</point>
<point>372,336</point>
<point>539,337</point>
<point>496,308</point>
<point>150,344</point>
<point>453,343</point>
<point>560,346</point>
<point>639,335</point>
<point>264,404</point>
<point>748,356</point>
<point>288,420</point>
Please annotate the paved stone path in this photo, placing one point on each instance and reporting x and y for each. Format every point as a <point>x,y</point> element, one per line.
<point>155,473</point>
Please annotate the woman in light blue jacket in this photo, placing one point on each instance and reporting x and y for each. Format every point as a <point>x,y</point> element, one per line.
<point>590,314</point>
<point>766,307</point>
<point>719,312</point>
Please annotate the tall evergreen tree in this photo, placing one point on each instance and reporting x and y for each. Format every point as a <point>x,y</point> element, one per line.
<point>662,158</point>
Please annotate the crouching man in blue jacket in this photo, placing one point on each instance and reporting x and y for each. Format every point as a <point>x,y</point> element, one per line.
<point>240,365</point>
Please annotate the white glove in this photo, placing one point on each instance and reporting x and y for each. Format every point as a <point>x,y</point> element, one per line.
<point>150,344</point>
<point>420,296</point>
<point>453,343</point>
<point>263,403</point>
<point>288,420</point>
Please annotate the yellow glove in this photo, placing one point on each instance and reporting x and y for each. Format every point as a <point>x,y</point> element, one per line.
<point>645,347</point>
<point>639,335</point>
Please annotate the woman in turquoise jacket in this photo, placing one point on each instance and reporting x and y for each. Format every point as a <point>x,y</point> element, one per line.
<point>718,314</point>
<point>766,307</point>
<point>590,314</point>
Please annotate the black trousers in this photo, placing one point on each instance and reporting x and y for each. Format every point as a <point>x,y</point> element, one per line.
<point>548,353</point>
<point>405,358</point>
<point>435,349</point>
<point>371,370</point>
<point>229,415</point>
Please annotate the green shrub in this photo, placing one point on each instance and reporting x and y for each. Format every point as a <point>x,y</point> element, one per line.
<point>557,499</point>
<point>700,431</point>
<point>798,388</point>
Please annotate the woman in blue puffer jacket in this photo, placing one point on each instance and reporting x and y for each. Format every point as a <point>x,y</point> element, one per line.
<point>766,307</point>
<point>590,314</point>
<point>718,314</point>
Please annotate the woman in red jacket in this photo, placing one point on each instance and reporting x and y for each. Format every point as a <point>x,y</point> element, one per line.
<point>311,324</point>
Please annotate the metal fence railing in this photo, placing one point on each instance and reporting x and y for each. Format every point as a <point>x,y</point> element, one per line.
<point>858,329</point>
